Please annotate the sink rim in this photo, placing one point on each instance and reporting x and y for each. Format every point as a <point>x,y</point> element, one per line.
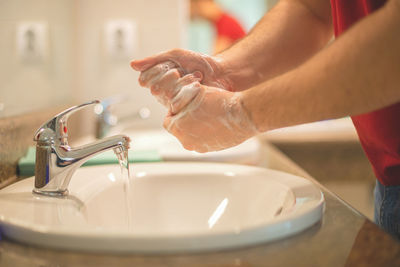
<point>251,234</point>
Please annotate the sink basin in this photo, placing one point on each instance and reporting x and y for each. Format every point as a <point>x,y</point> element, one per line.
<point>167,207</point>
<point>170,149</point>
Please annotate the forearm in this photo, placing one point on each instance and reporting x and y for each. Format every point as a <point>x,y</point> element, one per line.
<point>358,73</point>
<point>284,38</point>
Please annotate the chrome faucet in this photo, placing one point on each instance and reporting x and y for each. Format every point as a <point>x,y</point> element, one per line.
<point>56,161</point>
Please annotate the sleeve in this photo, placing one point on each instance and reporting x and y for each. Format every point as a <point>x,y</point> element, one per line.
<point>228,26</point>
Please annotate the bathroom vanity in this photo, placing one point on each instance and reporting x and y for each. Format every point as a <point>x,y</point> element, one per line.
<point>343,237</point>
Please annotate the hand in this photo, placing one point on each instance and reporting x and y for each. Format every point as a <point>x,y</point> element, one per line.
<point>214,119</point>
<point>202,117</point>
<point>167,85</point>
<point>213,70</point>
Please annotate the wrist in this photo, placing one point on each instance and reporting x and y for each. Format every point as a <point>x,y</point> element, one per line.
<point>249,111</point>
<point>238,74</point>
<point>223,72</point>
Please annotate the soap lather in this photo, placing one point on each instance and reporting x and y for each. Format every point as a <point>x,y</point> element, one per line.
<point>56,161</point>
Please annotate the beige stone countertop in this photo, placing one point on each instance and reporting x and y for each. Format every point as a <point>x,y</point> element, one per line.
<point>337,130</point>
<point>342,238</point>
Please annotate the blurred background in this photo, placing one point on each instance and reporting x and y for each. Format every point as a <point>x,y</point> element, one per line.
<point>202,31</point>
<point>70,51</point>
<point>56,53</point>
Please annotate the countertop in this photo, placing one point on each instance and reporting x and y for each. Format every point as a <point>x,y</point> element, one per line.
<point>336,130</point>
<point>343,237</point>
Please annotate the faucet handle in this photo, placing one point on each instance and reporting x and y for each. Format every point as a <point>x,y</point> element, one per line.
<point>56,128</point>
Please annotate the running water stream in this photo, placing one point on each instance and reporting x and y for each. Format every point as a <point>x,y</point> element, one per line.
<point>122,155</point>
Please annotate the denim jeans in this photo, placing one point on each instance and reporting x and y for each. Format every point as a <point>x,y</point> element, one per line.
<point>387,208</point>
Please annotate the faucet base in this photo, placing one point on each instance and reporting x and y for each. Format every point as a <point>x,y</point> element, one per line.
<point>50,193</point>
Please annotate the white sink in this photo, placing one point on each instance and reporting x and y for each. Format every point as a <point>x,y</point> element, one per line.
<point>172,207</point>
<point>170,149</point>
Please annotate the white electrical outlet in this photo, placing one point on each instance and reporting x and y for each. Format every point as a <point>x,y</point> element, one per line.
<point>120,38</point>
<point>32,41</point>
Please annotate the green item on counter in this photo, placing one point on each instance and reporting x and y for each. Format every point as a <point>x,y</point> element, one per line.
<point>26,165</point>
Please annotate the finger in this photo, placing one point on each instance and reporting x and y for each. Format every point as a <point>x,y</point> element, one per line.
<point>187,79</point>
<point>185,96</point>
<point>166,84</point>
<point>148,77</point>
<point>148,62</point>
<point>167,124</point>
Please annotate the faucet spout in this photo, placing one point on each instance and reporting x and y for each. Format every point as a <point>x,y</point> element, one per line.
<point>56,161</point>
<point>58,164</point>
<point>79,155</point>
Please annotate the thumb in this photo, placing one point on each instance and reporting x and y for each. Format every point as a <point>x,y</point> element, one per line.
<point>167,124</point>
<point>143,64</point>
<point>146,63</point>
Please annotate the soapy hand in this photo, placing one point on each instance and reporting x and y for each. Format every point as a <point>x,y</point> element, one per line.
<point>203,118</point>
<point>167,85</point>
<point>213,70</point>
<point>206,116</point>
<point>214,119</point>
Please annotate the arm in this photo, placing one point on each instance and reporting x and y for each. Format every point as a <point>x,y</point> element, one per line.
<point>358,73</point>
<point>284,38</point>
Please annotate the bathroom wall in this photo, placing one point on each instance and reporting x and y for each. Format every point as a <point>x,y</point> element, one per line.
<point>159,25</point>
<point>29,82</point>
<point>73,64</point>
<point>76,65</point>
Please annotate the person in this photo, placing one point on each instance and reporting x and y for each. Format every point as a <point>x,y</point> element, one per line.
<point>228,29</point>
<point>287,71</point>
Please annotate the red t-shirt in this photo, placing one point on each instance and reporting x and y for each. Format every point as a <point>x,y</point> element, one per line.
<point>379,131</point>
<point>228,26</point>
